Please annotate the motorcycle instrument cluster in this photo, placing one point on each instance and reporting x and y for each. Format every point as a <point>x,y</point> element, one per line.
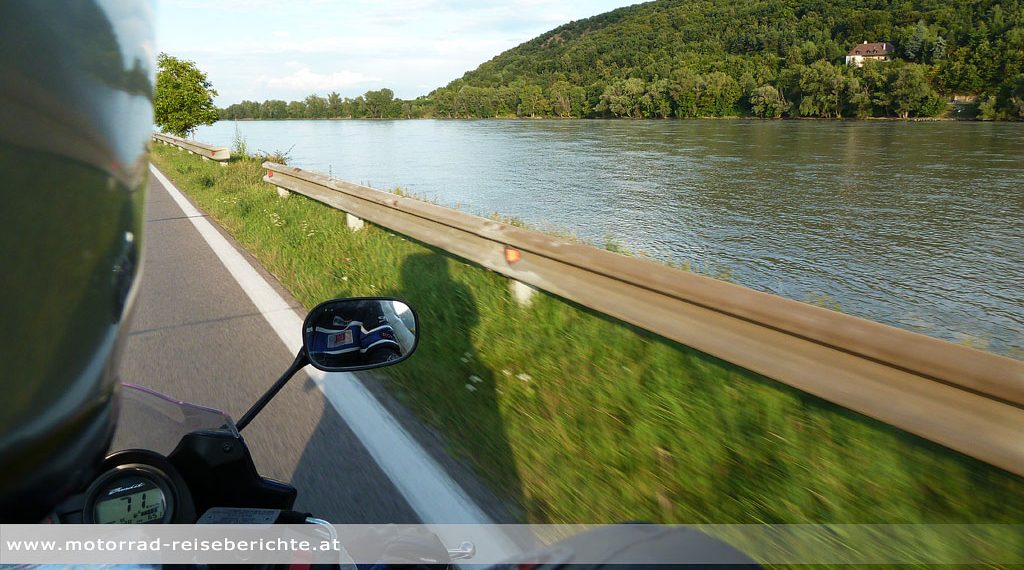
<point>130,494</point>
<point>135,486</point>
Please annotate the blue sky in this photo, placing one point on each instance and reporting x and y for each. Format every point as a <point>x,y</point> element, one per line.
<point>257,49</point>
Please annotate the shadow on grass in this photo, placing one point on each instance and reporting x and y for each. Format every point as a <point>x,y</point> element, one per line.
<point>445,380</point>
<point>448,387</point>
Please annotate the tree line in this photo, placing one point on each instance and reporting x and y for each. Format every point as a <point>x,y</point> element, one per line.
<point>686,58</point>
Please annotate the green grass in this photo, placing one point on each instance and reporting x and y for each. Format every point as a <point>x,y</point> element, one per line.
<point>575,417</point>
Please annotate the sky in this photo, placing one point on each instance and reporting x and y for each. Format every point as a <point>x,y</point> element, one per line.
<point>257,49</point>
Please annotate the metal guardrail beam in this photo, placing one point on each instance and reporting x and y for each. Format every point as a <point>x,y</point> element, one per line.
<point>965,399</point>
<point>208,152</point>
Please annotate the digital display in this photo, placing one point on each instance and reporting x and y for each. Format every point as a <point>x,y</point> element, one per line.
<point>142,507</point>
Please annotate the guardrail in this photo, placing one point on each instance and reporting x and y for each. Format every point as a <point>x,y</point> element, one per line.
<point>208,152</point>
<point>965,399</point>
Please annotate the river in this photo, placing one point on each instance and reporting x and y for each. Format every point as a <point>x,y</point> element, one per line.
<point>917,225</point>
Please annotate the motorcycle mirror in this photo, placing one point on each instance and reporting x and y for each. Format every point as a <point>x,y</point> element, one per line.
<point>359,333</point>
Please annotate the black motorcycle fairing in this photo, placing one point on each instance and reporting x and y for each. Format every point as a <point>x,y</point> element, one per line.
<point>220,472</point>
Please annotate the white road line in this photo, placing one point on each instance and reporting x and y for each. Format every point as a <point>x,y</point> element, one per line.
<point>424,484</point>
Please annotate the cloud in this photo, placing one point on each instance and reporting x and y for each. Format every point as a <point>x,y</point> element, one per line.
<point>308,81</point>
<point>318,46</point>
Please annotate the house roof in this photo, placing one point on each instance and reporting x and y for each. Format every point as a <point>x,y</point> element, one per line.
<point>872,49</point>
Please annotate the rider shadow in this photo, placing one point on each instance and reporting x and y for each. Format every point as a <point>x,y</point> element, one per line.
<point>452,392</point>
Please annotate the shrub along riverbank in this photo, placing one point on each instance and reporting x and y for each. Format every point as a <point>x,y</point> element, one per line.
<point>575,417</point>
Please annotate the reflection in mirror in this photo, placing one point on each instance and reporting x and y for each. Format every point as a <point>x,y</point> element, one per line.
<point>361,333</point>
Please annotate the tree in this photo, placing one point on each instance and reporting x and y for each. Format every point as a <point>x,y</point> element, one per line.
<point>316,107</point>
<point>334,105</point>
<point>275,109</point>
<point>296,110</point>
<point>858,98</point>
<point>183,98</point>
<point>1016,99</point>
<point>683,90</point>
<point>379,103</point>
<point>939,49</point>
<point>719,95</point>
<point>532,101</point>
<point>911,93</point>
<point>988,110</point>
<point>821,87</point>
<point>660,102</point>
<point>768,103</point>
<point>560,94</point>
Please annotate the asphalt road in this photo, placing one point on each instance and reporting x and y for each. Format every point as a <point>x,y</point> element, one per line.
<point>197,337</point>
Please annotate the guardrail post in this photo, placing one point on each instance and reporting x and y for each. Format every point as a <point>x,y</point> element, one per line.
<point>521,292</point>
<point>355,224</point>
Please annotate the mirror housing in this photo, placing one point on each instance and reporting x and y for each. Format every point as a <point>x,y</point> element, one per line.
<point>359,333</point>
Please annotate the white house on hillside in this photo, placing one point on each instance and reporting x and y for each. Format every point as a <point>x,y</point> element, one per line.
<point>878,51</point>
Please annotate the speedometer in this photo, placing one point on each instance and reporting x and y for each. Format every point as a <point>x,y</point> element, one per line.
<point>130,494</point>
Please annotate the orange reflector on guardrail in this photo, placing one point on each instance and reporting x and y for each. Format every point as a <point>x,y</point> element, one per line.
<point>270,174</point>
<point>512,255</point>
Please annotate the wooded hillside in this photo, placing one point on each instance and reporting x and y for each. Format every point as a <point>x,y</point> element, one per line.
<point>692,58</point>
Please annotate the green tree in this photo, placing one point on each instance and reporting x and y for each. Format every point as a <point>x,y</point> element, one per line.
<point>719,96</point>
<point>659,100</point>
<point>296,110</point>
<point>768,103</point>
<point>334,105</point>
<point>275,109</point>
<point>988,110</point>
<point>939,49</point>
<point>378,103</point>
<point>858,98</point>
<point>183,98</point>
<point>821,87</point>
<point>626,98</point>
<point>560,94</point>
<point>911,93</point>
<point>1016,99</point>
<point>316,107</point>
<point>683,90</point>
<point>531,101</point>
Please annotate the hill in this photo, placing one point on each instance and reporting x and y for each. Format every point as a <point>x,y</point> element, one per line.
<point>692,58</point>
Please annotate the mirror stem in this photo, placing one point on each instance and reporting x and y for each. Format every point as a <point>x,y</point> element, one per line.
<point>300,360</point>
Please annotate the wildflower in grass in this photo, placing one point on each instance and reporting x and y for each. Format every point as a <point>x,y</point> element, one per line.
<point>471,387</point>
<point>524,377</point>
<point>475,379</point>
<point>506,372</point>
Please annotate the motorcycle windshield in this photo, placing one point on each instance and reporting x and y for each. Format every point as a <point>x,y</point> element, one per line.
<point>150,420</point>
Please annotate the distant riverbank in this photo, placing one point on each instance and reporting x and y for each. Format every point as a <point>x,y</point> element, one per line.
<point>729,118</point>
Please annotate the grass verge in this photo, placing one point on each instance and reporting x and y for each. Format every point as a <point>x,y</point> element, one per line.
<point>575,417</point>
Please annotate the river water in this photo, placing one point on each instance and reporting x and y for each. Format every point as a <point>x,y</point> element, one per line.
<point>918,225</point>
